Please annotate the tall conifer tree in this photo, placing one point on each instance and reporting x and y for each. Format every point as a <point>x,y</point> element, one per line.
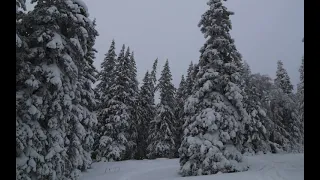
<point>282,79</point>
<point>106,75</point>
<point>114,116</point>
<point>215,112</point>
<point>179,113</point>
<point>145,113</point>
<point>161,135</point>
<point>255,133</point>
<point>56,100</point>
<point>190,79</point>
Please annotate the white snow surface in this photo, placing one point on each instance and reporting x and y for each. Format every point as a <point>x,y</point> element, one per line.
<point>262,167</point>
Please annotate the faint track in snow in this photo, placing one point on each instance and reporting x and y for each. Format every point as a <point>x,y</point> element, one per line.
<point>137,175</point>
<point>273,170</point>
<point>264,166</point>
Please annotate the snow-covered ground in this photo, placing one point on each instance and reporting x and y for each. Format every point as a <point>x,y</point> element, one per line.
<point>262,167</point>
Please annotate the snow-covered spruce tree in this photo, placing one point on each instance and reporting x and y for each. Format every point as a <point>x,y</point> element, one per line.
<point>277,135</point>
<point>180,97</point>
<point>30,136</point>
<point>215,112</point>
<point>283,112</point>
<point>263,85</point>
<point>106,75</point>
<point>145,115</point>
<point>300,94</point>
<point>285,109</point>
<point>115,117</point>
<point>60,39</point>
<point>256,138</point>
<point>161,130</point>
<point>278,107</point>
<point>132,101</point>
<point>84,120</point>
<point>179,113</point>
<point>301,86</point>
<point>113,120</point>
<point>146,112</point>
<point>189,80</point>
<point>133,74</point>
<point>282,79</point>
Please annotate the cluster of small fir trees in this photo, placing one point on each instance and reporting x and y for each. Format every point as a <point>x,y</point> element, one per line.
<point>130,125</point>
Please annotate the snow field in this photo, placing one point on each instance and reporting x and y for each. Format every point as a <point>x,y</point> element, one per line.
<point>262,167</point>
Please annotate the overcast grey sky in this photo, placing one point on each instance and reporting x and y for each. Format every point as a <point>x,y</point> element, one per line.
<point>264,31</point>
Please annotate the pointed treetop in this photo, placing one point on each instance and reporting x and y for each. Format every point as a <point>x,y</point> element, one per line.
<point>166,77</point>
<point>109,60</point>
<point>121,54</point>
<point>282,78</point>
<point>246,68</point>
<point>279,63</point>
<point>182,78</point>
<point>111,48</point>
<point>128,52</point>
<point>167,63</point>
<point>218,11</point>
<point>146,78</point>
<point>113,42</point>
<point>146,75</point>
<point>133,68</point>
<point>132,59</point>
<point>215,24</point>
<point>190,68</point>
<point>190,79</point>
<point>154,66</point>
<point>155,63</point>
<point>154,72</point>
<point>166,67</point>
<point>180,95</point>
<point>182,82</point>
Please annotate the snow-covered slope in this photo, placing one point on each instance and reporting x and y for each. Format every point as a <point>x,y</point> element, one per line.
<point>262,167</point>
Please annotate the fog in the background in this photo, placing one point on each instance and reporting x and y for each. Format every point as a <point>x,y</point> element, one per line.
<point>264,31</point>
